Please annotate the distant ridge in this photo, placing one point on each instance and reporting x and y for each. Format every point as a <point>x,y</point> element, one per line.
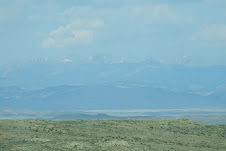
<point>105,97</point>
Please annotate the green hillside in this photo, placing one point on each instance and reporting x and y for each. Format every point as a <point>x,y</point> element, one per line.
<point>109,135</point>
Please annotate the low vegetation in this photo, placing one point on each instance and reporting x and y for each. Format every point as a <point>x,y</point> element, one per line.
<point>111,135</point>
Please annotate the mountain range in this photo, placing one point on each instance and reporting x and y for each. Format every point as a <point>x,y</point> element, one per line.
<point>101,97</point>
<point>105,85</point>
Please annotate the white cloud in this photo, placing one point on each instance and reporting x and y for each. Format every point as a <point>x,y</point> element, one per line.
<point>203,93</point>
<point>62,37</point>
<point>81,36</point>
<point>67,60</point>
<point>76,25</point>
<point>4,15</point>
<point>158,14</point>
<point>212,34</point>
<point>84,23</point>
<point>47,43</point>
<point>81,28</point>
<point>79,11</point>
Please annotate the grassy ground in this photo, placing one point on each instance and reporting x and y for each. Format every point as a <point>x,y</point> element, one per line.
<point>110,135</point>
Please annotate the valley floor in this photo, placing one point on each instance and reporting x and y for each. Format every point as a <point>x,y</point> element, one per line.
<point>111,135</point>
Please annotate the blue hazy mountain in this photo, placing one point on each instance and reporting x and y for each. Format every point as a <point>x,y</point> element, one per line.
<point>99,71</point>
<point>102,84</point>
<point>99,97</point>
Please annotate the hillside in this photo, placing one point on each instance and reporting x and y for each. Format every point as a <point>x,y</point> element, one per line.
<point>131,135</point>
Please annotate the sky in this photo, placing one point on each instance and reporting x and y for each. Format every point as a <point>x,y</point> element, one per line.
<point>164,30</point>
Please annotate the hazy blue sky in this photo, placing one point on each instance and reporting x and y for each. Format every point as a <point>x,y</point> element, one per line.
<point>166,30</point>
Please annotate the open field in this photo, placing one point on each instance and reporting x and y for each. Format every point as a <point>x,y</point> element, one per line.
<point>207,116</point>
<point>109,135</point>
